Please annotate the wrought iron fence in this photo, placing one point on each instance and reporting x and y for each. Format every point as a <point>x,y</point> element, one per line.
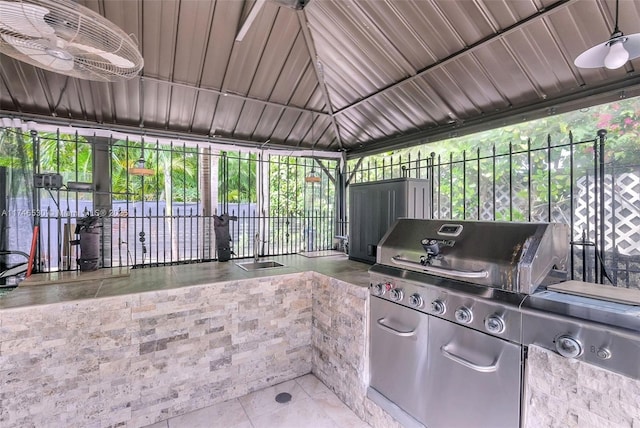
<point>569,182</point>
<point>167,217</point>
<point>145,237</point>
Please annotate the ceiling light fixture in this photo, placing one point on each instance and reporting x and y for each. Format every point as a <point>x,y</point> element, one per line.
<point>138,168</point>
<point>312,177</point>
<point>612,54</point>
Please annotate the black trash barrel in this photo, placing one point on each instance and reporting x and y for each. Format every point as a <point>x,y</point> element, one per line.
<point>89,250</point>
<point>89,232</point>
<point>223,237</point>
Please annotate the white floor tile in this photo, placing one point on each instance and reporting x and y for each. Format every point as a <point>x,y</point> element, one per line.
<point>263,402</point>
<point>301,413</point>
<point>161,424</point>
<point>342,415</point>
<point>312,385</point>
<point>229,414</point>
<point>312,405</point>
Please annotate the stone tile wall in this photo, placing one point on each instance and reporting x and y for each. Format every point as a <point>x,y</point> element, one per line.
<point>559,393</point>
<point>340,345</point>
<point>136,359</point>
<point>566,393</point>
<point>133,360</point>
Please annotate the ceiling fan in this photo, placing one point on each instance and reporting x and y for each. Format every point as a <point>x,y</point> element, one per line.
<point>67,38</point>
<point>613,53</point>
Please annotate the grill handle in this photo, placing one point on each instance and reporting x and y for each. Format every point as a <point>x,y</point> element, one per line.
<point>392,330</point>
<point>439,270</point>
<point>473,366</point>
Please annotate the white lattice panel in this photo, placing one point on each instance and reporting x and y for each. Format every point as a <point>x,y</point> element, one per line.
<point>622,211</point>
<point>502,202</point>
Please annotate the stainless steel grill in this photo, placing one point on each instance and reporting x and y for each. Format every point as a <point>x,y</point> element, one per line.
<point>454,306</point>
<point>516,257</point>
<point>445,320</point>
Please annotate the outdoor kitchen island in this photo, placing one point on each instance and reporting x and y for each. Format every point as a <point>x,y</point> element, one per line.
<point>133,350</point>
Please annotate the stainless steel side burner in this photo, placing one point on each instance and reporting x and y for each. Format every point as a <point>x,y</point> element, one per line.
<point>599,332</point>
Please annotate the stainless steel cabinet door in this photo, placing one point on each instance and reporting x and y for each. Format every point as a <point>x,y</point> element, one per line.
<point>474,379</point>
<point>398,353</point>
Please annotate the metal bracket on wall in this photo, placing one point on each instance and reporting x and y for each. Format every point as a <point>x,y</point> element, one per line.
<point>47,181</point>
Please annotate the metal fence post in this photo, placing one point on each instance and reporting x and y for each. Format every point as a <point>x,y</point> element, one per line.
<point>602,134</point>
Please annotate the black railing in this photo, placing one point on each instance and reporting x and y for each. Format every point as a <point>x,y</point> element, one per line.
<point>568,182</point>
<point>146,237</point>
<point>266,194</point>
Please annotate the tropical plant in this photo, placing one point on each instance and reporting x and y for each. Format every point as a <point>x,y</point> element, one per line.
<point>237,177</point>
<point>532,161</point>
<point>69,155</point>
<point>175,178</point>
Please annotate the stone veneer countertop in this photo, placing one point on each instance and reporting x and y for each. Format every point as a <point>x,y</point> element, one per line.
<point>43,289</point>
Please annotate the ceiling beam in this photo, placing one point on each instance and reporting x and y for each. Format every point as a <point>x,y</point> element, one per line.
<point>311,48</point>
<point>325,169</point>
<point>232,95</point>
<point>104,129</point>
<point>257,7</point>
<point>456,55</point>
<point>608,92</point>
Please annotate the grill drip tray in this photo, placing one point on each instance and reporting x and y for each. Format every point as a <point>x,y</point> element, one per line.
<point>625,296</point>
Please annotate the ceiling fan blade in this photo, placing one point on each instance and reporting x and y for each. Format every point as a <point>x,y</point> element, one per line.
<point>114,59</point>
<point>593,57</point>
<point>38,52</point>
<point>24,18</point>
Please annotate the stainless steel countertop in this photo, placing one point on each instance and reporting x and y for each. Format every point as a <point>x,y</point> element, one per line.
<point>43,289</point>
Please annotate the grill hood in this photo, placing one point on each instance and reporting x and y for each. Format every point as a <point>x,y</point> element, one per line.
<point>516,257</point>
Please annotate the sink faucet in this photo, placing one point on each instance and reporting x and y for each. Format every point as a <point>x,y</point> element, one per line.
<point>256,244</point>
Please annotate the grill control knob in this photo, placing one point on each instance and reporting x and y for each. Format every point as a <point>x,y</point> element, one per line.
<point>396,294</point>
<point>463,315</point>
<point>415,300</point>
<point>568,346</point>
<point>378,289</point>
<point>603,353</point>
<point>494,324</point>
<point>438,307</point>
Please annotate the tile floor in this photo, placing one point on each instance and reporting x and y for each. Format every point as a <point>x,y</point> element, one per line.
<point>312,405</point>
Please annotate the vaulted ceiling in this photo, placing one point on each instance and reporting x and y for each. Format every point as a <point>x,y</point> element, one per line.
<point>353,75</point>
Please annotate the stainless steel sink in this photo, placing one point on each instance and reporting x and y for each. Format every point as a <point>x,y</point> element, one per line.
<point>266,264</point>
